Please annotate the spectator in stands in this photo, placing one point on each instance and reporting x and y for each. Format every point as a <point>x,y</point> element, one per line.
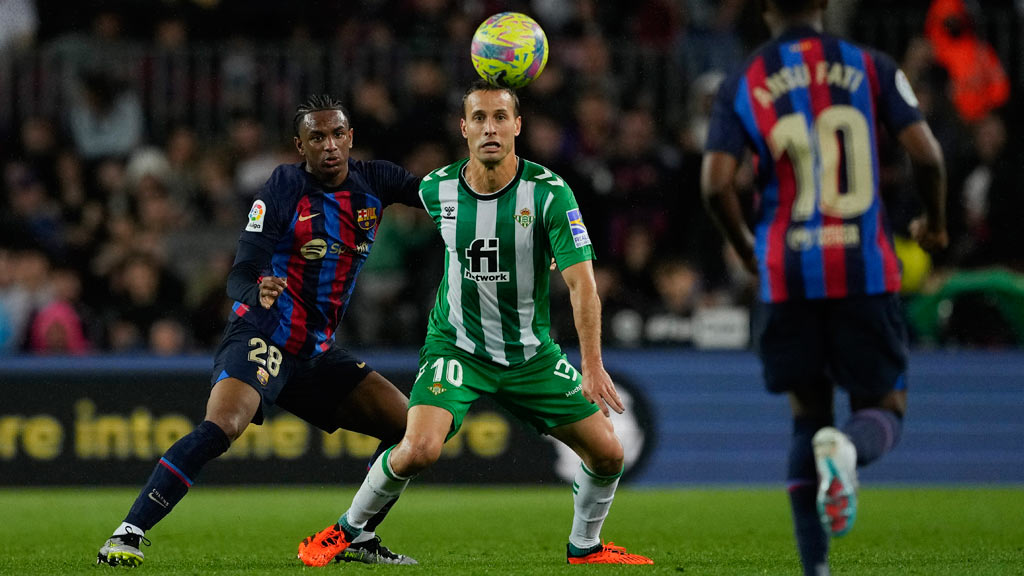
<point>636,260</point>
<point>670,319</point>
<point>423,109</point>
<point>105,118</point>
<point>39,148</point>
<point>380,132</point>
<point>58,327</point>
<point>32,208</point>
<point>145,293</point>
<point>990,198</point>
<point>710,40</point>
<point>216,201</point>
<point>23,292</point>
<point>168,337</point>
<point>182,151</point>
<point>643,192</point>
<point>978,80</point>
<point>253,160</point>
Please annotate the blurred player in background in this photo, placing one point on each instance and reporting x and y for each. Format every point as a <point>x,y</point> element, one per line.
<point>811,107</point>
<point>309,231</point>
<point>502,219</point>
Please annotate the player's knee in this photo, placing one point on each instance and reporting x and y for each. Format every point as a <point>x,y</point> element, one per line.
<point>232,431</point>
<point>606,459</point>
<point>231,425</point>
<point>415,454</point>
<point>607,466</point>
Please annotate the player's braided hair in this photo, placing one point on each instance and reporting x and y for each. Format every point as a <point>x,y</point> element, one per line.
<point>317,103</point>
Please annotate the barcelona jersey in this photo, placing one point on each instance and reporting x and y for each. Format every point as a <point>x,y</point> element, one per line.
<point>320,237</point>
<point>811,107</point>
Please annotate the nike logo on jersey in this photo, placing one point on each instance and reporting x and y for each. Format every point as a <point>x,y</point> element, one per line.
<point>304,218</point>
<point>360,365</point>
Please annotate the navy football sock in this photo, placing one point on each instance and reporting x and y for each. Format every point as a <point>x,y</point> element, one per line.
<point>811,540</point>
<point>175,473</point>
<point>376,519</point>
<point>874,432</point>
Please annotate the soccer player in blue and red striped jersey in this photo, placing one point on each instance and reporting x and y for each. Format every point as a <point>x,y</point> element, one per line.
<point>309,231</point>
<point>812,109</point>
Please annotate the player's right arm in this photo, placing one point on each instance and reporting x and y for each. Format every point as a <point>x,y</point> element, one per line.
<point>251,280</point>
<point>244,281</point>
<point>726,145</point>
<point>930,182</point>
<point>718,189</point>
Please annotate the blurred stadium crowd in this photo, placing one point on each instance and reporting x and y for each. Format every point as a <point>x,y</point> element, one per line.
<point>133,135</point>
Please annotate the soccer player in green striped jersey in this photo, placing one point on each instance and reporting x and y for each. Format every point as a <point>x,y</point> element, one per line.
<point>503,219</point>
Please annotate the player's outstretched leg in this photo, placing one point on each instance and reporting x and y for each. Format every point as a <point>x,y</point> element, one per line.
<point>173,475</point>
<point>835,458</point>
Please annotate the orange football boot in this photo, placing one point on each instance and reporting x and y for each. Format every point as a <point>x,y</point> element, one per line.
<point>320,548</point>
<point>610,554</point>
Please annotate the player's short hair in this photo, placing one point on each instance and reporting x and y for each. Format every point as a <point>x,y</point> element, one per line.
<point>317,103</point>
<point>481,85</point>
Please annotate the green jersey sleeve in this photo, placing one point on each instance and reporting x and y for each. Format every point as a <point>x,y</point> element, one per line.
<point>570,240</point>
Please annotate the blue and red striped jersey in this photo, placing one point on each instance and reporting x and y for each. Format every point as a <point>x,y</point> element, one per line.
<point>811,107</point>
<point>319,237</point>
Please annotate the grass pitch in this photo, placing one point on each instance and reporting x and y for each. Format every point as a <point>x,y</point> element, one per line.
<point>519,530</point>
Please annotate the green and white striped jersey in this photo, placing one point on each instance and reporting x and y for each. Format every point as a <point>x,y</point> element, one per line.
<point>494,298</point>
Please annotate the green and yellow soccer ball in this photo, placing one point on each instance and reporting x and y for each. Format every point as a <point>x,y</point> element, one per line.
<point>509,49</point>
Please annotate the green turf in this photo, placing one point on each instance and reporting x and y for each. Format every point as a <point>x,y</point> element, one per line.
<point>521,531</point>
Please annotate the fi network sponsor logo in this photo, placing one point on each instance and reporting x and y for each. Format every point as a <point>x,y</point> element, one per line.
<point>482,256</point>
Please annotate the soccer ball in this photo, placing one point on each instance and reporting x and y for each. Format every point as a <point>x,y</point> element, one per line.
<point>509,49</point>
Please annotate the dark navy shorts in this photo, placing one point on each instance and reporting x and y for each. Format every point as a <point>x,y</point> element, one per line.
<point>311,388</point>
<point>858,343</point>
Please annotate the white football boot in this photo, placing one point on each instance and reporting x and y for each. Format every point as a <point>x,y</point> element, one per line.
<point>835,457</point>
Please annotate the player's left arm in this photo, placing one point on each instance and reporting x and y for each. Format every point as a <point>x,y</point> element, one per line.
<point>929,168</point>
<point>597,385</point>
<point>899,111</point>
<point>395,184</point>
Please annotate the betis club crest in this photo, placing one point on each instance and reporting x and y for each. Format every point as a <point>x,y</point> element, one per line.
<point>366,217</point>
<point>524,218</point>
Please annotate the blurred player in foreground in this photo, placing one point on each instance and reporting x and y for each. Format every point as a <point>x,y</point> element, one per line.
<point>309,231</point>
<point>811,107</point>
<point>502,219</point>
